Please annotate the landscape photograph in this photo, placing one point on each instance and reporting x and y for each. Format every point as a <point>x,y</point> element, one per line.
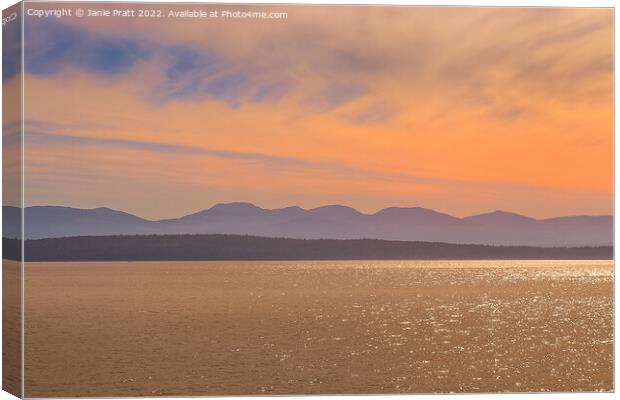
<point>307,199</point>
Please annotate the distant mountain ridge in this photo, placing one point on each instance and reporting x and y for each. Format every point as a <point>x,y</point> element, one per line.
<point>327,222</point>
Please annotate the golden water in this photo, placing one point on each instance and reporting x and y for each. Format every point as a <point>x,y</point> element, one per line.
<point>213,328</point>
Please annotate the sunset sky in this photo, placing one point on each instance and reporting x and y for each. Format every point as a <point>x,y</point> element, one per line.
<point>462,110</point>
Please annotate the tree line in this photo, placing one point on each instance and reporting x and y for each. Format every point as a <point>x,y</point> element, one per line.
<point>240,247</point>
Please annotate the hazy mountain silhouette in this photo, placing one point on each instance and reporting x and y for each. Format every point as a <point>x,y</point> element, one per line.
<point>328,222</point>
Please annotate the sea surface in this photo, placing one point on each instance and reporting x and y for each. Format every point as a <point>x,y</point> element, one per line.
<point>233,328</point>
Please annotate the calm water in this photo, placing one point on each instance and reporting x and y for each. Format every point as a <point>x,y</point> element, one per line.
<point>212,328</point>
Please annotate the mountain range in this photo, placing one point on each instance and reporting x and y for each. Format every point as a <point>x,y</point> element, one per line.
<point>327,222</point>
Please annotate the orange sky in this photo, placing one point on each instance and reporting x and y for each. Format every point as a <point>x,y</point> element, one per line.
<point>462,110</point>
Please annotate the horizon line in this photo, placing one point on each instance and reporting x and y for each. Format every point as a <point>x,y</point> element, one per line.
<point>496,211</point>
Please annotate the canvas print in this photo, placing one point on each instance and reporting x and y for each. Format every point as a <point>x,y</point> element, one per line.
<point>230,199</point>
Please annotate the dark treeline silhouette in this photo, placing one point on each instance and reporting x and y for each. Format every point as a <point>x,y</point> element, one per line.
<point>11,249</point>
<point>238,247</point>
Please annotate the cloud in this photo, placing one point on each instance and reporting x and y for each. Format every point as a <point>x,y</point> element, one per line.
<point>465,53</point>
<point>11,49</point>
<point>273,92</point>
<point>186,60</point>
<point>570,34</point>
<point>228,87</point>
<point>186,70</point>
<point>283,164</point>
<point>51,47</point>
<point>188,73</point>
<point>373,115</point>
<point>533,53</point>
<point>511,113</point>
<point>196,75</point>
<point>34,137</point>
<point>336,94</point>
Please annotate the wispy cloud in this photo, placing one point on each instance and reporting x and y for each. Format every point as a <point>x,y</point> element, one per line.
<point>53,46</point>
<point>336,94</point>
<point>328,168</point>
<point>45,138</point>
<point>188,73</point>
<point>374,114</point>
